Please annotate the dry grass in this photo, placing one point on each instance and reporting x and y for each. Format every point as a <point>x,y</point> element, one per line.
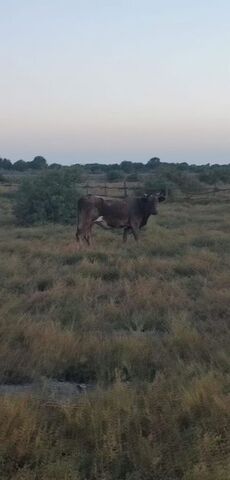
<point>154,314</point>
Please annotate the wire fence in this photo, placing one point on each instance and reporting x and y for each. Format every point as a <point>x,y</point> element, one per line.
<point>124,189</point>
<point>104,189</point>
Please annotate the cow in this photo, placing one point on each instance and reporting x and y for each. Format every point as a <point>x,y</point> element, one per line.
<point>130,213</point>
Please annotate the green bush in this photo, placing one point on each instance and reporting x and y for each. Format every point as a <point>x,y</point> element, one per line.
<point>114,176</point>
<point>175,182</point>
<point>48,197</point>
<point>157,184</point>
<point>184,181</point>
<point>2,179</point>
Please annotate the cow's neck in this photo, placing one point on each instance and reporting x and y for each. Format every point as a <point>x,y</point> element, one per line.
<point>145,219</point>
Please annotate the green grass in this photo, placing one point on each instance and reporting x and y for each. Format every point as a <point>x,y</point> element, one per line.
<point>147,322</point>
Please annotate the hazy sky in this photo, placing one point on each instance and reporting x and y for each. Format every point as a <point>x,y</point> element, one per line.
<point>96,80</point>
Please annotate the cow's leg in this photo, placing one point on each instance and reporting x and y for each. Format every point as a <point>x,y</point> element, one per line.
<point>134,232</point>
<point>87,236</point>
<point>125,234</point>
<point>78,238</point>
<point>87,214</point>
<point>84,234</point>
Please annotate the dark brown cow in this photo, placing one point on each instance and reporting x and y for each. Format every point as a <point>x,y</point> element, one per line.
<point>130,213</point>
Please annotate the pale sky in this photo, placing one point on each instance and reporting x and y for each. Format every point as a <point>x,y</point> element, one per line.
<point>105,81</point>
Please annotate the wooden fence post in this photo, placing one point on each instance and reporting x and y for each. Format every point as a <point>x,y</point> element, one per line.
<point>105,187</point>
<point>125,189</point>
<point>166,193</point>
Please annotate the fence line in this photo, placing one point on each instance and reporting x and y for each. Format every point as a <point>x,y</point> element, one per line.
<point>205,192</point>
<point>106,188</point>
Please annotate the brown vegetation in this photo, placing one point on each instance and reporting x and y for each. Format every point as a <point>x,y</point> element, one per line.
<point>148,323</point>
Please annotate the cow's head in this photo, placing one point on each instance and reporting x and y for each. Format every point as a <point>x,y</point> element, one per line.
<point>152,200</point>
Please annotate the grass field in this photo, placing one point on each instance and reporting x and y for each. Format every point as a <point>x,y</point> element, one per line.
<point>148,323</point>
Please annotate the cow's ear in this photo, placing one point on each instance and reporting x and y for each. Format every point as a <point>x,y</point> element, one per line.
<point>161,196</point>
<point>145,197</point>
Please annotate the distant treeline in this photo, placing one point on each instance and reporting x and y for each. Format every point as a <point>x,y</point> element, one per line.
<point>38,163</point>
<point>169,172</point>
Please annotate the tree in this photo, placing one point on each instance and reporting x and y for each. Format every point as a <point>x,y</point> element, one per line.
<point>5,164</point>
<point>38,163</point>
<point>138,167</point>
<point>153,162</point>
<point>95,167</point>
<point>126,166</point>
<point>20,165</point>
<point>55,166</point>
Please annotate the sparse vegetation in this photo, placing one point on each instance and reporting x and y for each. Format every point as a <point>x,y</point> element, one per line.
<point>148,323</point>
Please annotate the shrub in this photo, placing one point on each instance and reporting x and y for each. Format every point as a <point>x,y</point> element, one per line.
<point>55,166</point>
<point>174,181</point>
<point>153,162</point>
<point>5,164</point>
<point>157,184</point>
<point>20,165</point>
<point>38,163</point>
<point>48,197</point>
<point>2,179</point>
<point>127,166</point>
<point>184,181</point>
<point>114,176</point>
<point>133,177</point>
